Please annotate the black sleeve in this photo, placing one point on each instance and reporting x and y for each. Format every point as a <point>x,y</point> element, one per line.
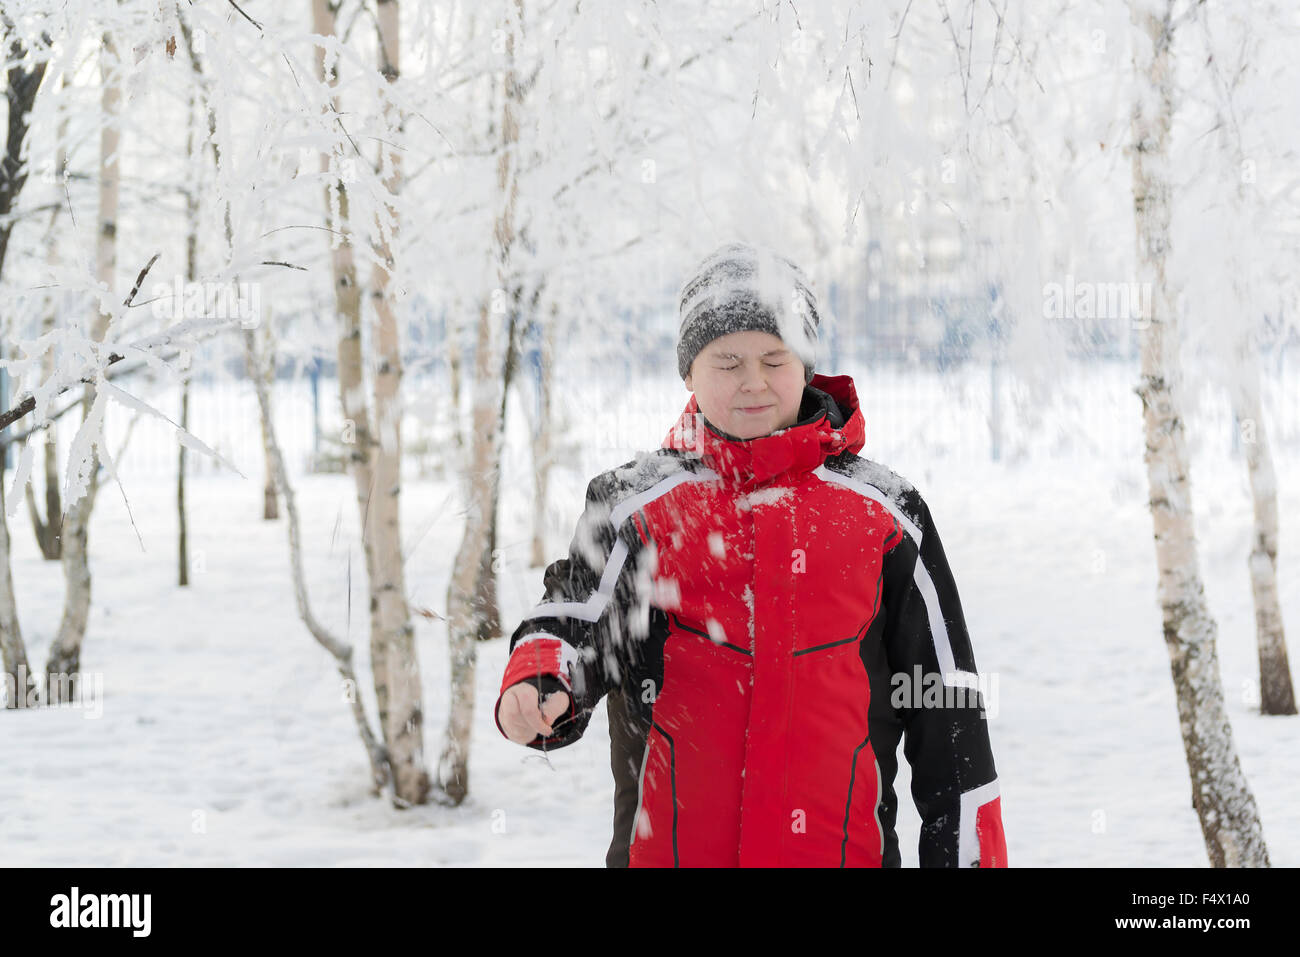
<point>574,638</point>
<point>936,694</point>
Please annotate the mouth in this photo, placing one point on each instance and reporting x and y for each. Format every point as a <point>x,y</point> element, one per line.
<point>754,410</point>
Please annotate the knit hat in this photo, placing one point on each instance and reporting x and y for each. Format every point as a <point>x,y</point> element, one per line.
<point>739,287</point>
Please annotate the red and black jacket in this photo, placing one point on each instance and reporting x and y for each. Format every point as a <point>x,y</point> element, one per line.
<point>760,616</point>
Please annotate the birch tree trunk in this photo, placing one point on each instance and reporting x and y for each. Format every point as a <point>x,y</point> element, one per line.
<point>375,462</point>
<point>404,723</point>
<point>191,275</point>
<point>43,526</point>
<point>454,365</point>
<point>183,536</point>
<point>1221,795</point>
<point>18,675</point>
<point>543,441</point>
<point>1276,692</point>
<point>488,607</point>
<point>20,92</point>
<point>65,651</point>
<point>467,602</point>
<point>489,626</point>
<point>270,504</point>
<point>347,295</point>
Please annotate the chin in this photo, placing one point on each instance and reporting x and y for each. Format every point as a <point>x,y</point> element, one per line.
<point>751,429</point>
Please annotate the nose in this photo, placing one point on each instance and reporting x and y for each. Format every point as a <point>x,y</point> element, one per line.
<point>752,378</point>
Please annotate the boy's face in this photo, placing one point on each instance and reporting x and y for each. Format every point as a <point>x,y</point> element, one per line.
<point>747,383</point>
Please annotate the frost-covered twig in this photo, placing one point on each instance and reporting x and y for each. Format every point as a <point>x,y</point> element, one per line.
<point>184,335</point>
<point>180,335</point>
<point>91,370</point>
<point>29,403</point>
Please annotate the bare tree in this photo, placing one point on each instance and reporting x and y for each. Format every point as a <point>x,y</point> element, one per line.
<point>1276,692</point>
<point>44,526</point>
<point>191,274</point>
<point>467,601</point>
<point>403,723</point>
<point>65,651</point>
<point>375,460</point>
<point>270,503</point>
<point>1222,797</point>
<point>543,437</point>
<point>23,80</point>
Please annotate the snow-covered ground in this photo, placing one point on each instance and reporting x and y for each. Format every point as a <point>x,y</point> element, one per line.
<point>221,737</point>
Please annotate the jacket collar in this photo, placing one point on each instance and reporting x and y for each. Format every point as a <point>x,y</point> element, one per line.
<point>829,422</point>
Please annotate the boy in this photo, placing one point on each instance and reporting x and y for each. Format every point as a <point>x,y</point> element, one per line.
<point>756,602</point>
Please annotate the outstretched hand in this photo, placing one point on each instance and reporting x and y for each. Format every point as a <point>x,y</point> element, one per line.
<point>523,717</point>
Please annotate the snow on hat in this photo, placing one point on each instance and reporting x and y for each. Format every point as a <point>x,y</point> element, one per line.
<point>739,287</point>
